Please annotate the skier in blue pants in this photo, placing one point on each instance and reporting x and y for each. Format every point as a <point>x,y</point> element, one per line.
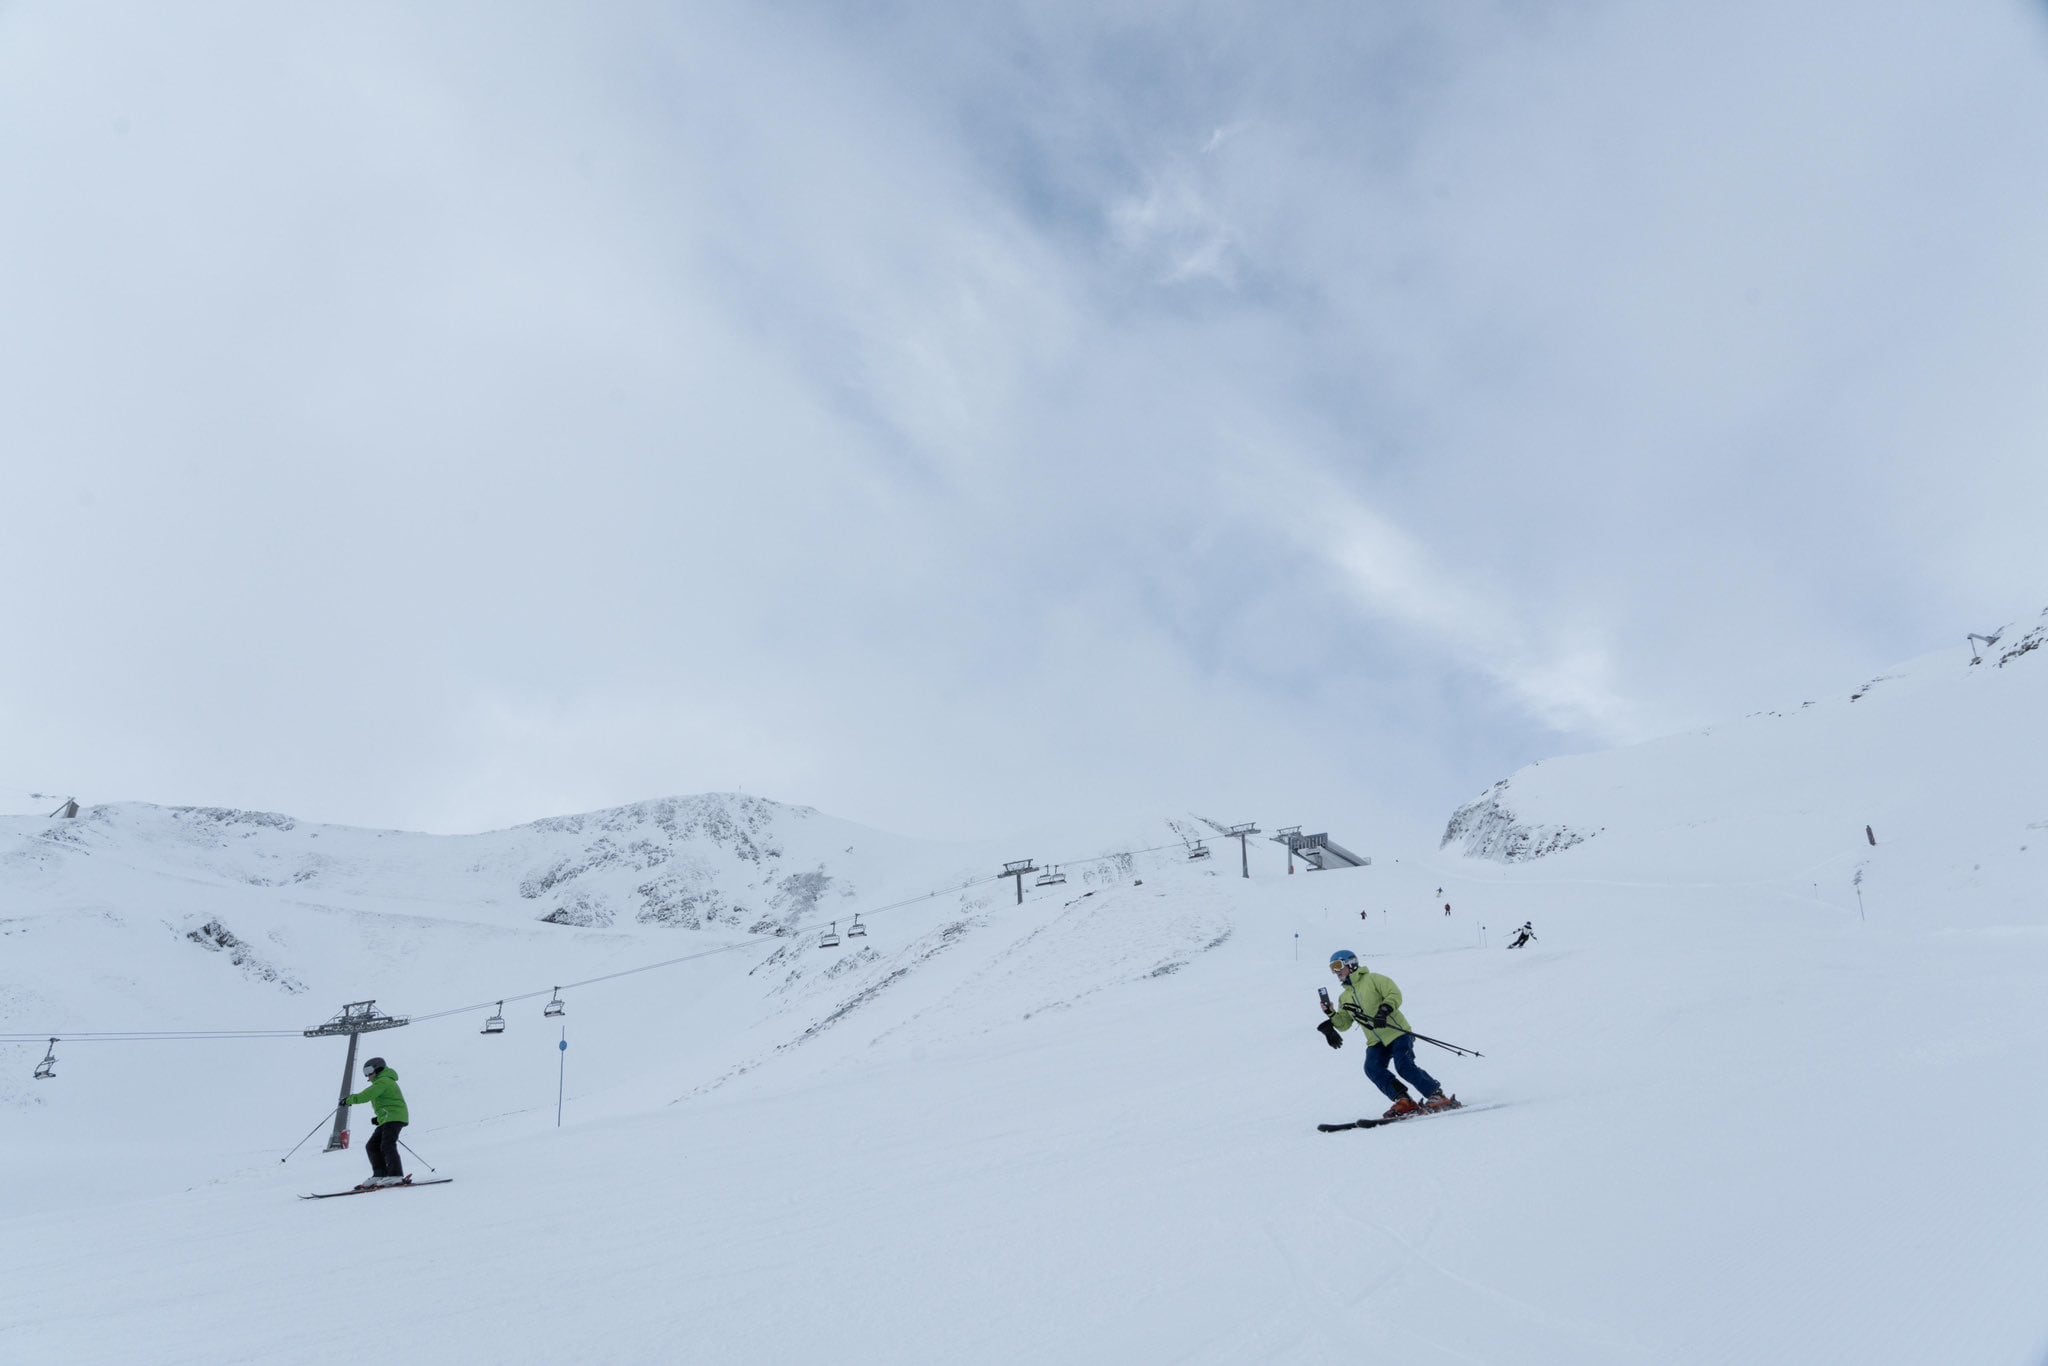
<point>1372,1001</point>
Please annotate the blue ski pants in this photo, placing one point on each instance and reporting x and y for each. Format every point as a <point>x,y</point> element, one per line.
<point>1401,1052</point>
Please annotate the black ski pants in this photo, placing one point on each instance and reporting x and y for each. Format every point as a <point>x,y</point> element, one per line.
<point>383,1146</point>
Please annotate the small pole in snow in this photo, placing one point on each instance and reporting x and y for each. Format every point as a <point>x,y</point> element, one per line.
<point>1297,946</point>
<point>562,1074</point>
<point>1869,836</point>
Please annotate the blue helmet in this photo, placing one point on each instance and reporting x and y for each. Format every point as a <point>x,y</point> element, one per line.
<point>1344,957</point>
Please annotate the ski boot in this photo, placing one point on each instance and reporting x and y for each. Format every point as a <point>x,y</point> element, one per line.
<point>1442,1100</point>
<point>1401,1109</point>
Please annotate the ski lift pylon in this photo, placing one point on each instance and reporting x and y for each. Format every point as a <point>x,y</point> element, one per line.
<point>830,938</point>
<point>857,930</point>
<point>47,1068</point>
<point>496,1024</point>
<point>556,1006</point>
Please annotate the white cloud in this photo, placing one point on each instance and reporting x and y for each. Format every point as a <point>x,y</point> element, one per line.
<point>941,415</point>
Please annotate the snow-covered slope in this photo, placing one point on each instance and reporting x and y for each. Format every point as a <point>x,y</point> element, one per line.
<point>139,919</point>
<point>1943,762</point>
<point>1732,1120</point>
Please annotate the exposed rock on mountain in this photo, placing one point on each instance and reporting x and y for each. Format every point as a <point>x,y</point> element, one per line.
<point>1489,829</point>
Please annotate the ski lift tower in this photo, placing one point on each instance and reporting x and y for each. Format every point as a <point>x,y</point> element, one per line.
<point>1240,833</point>
<point>1017,870</point>
<point>1289,835</point>
<point>357,1017</point>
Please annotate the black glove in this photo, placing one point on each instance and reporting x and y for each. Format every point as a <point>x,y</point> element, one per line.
<point>1329,1031</point>
<point>1386,1013</point>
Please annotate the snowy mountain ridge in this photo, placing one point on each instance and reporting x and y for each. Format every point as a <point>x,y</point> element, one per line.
<point>1940,759</point>
<point>713,860</point>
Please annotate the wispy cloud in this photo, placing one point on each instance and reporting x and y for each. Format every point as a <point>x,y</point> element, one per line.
<point>1172,224</point>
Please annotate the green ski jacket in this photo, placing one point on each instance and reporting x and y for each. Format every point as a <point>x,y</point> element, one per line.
<point>387,1102</point>
<point>1361,1000</point>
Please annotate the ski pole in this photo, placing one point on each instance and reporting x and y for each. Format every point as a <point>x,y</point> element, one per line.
<point>1470,1052</point>
<point>423,1162</point>
<point>324,1119</point>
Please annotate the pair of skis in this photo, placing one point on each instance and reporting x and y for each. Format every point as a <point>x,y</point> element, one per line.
<point>1404,1119</point>
<point>407,1184</point>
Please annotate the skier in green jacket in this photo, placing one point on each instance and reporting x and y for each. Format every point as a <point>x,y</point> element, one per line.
<point>387,1108</point>
<point>1373,1002</point>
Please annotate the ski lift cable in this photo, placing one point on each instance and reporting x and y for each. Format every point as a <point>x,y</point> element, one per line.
<point>592,981</point>
<point>755,942</point>
<point>422,1017</point>
<point>150,1035</point>
<point>1125,853</point>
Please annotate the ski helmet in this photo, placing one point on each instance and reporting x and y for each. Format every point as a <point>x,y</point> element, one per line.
<point>1343,958</point>
<point>373,1067</point>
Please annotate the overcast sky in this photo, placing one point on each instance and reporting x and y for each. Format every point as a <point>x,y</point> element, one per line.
<point>960,417</point>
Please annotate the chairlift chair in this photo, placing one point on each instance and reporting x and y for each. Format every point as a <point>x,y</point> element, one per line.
<point>1199,850</point>
<point>830,939</point>
<point>47,1068</point>
<point>857,930</point>
<point>1051,877</point>
<point>496,1024</point>
<point>555,1007</point>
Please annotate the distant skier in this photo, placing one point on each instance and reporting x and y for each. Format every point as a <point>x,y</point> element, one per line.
<point>1523,935</point>
<point>1447,908</point>
<point>1374,1002</point>
<point>387,1108</point>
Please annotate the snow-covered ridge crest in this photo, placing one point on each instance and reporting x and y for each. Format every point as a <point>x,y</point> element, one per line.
<point>1937,754</point>
<point>724,860</point>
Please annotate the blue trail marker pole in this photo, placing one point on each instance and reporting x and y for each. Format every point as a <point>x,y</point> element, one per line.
<point>562,1075</point>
